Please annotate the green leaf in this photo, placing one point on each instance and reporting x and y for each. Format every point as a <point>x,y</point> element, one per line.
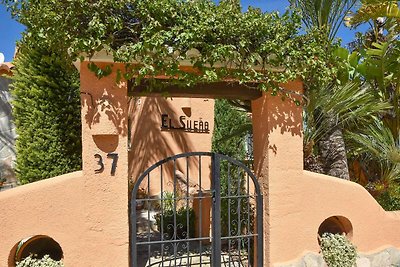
<point>342,53</point>
<point>362,69</point>
<point>353,59</point>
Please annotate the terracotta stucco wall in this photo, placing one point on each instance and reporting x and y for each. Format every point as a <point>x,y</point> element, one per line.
<point>52,207</point>
<point>149,143</point>
<point>105,196</point>
<point>299,201</point>
<point>87,212</point>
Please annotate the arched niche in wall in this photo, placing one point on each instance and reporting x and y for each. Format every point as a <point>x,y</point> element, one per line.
<point>38,246</point>
<point>336,225</point>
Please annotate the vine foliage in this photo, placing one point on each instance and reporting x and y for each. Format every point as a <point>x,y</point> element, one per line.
<point>220,40</point>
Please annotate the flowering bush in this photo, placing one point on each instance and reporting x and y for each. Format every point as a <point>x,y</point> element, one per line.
<point>46,261</point>
<point>338,251</point>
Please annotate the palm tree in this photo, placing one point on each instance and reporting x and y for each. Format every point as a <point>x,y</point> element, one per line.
<point>332,109</point>
<point>327,16</point>
<point>324,14</point>
<point>378,152</point>
<point>331,106</point>
<point>376,148</point>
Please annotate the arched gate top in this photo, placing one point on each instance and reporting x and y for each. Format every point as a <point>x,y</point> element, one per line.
<point>192,154</point>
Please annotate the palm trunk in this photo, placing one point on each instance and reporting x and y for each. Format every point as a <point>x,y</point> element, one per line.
<point>333,151</point>
<point>313,163</point>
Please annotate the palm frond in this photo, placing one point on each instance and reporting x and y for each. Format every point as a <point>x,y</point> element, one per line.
<point>350,104</point>
<point>376,143</point>
<point>324,14</point>
<point>373,9</point>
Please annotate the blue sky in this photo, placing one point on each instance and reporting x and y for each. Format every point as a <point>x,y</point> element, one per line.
<point>10,30</point>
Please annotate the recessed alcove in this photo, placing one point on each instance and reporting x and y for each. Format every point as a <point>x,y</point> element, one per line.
<point>106,142</point>
<point>336,225</point>
<point>38,246</point>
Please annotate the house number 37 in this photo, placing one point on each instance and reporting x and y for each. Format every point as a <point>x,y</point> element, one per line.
<point>113,156</point>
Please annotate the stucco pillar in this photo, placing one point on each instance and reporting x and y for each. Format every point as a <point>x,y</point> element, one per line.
<point>105,168</point>
<point>278,154</point>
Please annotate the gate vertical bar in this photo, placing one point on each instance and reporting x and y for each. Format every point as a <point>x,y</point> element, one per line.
<point>148,219</point>
<point>162,215</point>
<point>216,210</point>
<point>175,244</point>
<point>187,212</point>
<point>229,214</point>
<point>200,211</point>
<point>260,229</point>
<point>133,231</point>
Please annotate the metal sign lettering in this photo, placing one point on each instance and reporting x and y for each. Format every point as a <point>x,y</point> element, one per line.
<point>185,124</point>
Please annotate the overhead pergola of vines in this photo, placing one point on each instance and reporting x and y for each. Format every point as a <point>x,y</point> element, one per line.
<point>220,41</point>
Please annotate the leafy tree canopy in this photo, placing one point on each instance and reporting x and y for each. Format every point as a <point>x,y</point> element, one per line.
<point>252,45</point>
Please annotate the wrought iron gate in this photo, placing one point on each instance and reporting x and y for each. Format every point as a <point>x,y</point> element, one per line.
<point>196,209</point>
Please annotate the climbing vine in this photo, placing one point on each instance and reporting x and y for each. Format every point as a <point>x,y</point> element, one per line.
<point>219,40</point>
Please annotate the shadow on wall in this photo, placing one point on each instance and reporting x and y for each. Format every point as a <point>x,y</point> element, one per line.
<point>148,146</point>
<point>106,112</point>
<point>280,116</point>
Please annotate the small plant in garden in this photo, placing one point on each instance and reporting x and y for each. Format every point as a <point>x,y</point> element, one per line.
<point>167,222</point>
<point>168,201</point>
<point>46,261</point>
<point>337,250</point>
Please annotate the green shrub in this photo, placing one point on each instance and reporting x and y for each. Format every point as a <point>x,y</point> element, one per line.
<point>183,216</point>
<point>46,110</point>
<point>338,251</point>
<point>390,198</point>
<point>46,261</point>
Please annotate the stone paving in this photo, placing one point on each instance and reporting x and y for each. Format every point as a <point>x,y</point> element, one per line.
<point>193,259</point>
<point>193,253</point>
